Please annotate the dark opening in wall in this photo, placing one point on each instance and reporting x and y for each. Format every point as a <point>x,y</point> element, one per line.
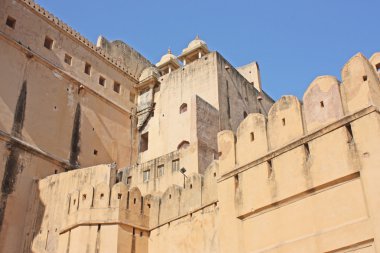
<point>283,121</point>
<point>183,144</point>
<point>144,142</point>
<point>11,22</point>
<point>129,180</point>
<point>84,196</point>
<point>148,205</point>
<point>307,150</point>
<point>365,78</point>
<point>252,136</point>
<point>102,81</point>
<point>350,136</point>
<point>101,195</point>
<point>378,67</point>
<point>245,114</point>
<point>236,181</point>
<point>119,195</point>
<point>116,87</point>
<point>270,168</point>
<point>183,108</point>
<point>68,59</point>
<point>141,234</point>
<point>322,104</point>
<point>170,196</point>
<point>48,43</point>
<point>134,201</point>
<point>95,152</point>
<point>87,68</point>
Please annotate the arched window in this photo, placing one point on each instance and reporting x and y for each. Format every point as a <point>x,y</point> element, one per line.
<point>183,144</point>
<point>183,108</point>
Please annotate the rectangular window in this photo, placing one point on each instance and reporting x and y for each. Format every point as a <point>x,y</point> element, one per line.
<point>160,170</point>
<point>116,87</point>
<point>68,59</point>
<point>87,68</point>
<point>102,81</point>
<point>48,43</point>
<point>175,165</point>
<point>144,142</point>
<point>11,22</point>
<point>146,176</point>
<point>129,180</point>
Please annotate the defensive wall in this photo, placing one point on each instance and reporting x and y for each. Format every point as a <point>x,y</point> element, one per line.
<point>304,179</point>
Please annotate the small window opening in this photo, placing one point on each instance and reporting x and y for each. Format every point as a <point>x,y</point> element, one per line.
<point>101,195</point>
<point>148,205</point>
<point>283,121</point>
<point>129,180</point>
<point>245,114</point>
<point>141,234</point>
<point>102,81</point>
<point>116,87</point>
<point>134,231</point>
<point>307,150</point>
<point>134,201</point>
<point>175,165</point>
<point>75,201</point>
<point>48,43</point>
<point>183,108</point>
<point>214,174</point>
<point>87,68</point>
<point>350,136</point>
<point>191,186</point>
<point>95,152</point>
<point>378,67</point>
<point>144,142</point>
<point>322,104</point>
<point>68,59</point>
<point>11,22</point>
<point>252,136</point>
<point>170,196</point>
<point>365,78</point>
<point>119,195</point>
<point>191,215</point>
<point>55,171</point>
<point>161,170</point>
<point>146,176</point>
<point>84,196</point>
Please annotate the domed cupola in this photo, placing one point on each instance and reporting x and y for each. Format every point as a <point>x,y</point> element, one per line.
<point>168,63</point>
<point>195,50</point>
<point>149,77</point>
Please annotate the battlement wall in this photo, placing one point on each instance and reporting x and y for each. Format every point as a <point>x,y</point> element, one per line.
<point>302,161</point>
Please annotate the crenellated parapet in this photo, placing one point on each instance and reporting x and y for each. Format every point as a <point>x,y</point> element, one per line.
<point>102,205</point>
<point>300,146</point>
<point>127,206</point>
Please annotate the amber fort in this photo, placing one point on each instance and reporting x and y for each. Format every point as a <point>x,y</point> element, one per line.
<point>103,151</point>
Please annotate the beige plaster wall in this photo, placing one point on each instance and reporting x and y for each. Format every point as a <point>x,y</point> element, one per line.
<point>312,192</point>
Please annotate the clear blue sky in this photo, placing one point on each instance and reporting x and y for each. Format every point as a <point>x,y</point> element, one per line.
<point>294,41</point>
